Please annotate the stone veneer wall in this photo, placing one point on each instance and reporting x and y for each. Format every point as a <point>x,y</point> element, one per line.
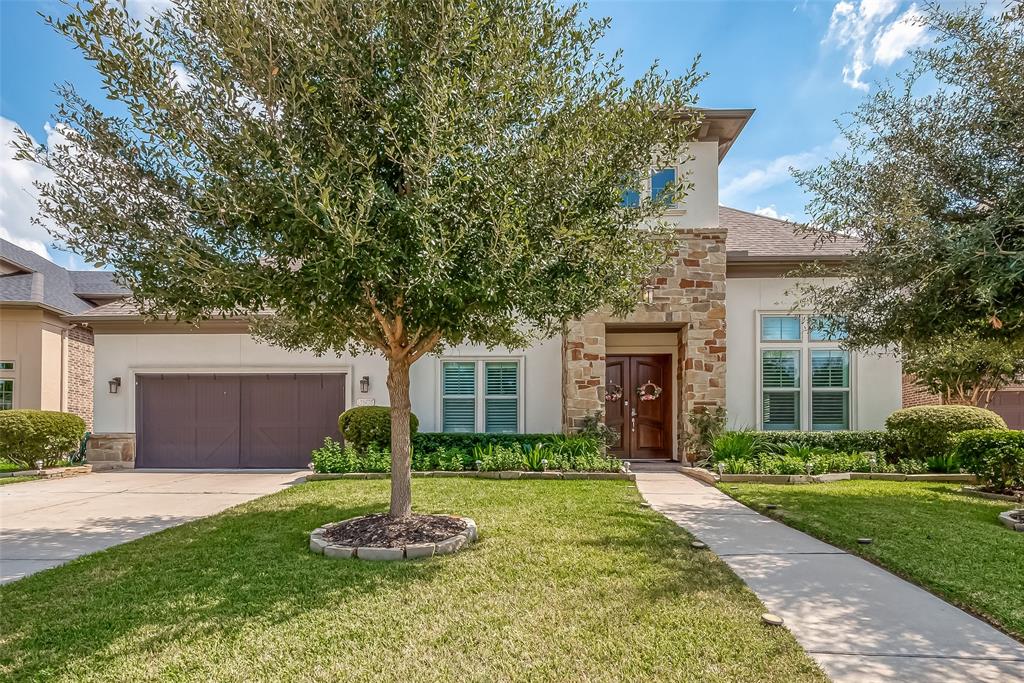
<point>689,292</point>
<point>111,451</point>
<point>81,358</point>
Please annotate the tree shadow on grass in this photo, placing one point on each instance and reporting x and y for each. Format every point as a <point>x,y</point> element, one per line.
<point>214,575</point>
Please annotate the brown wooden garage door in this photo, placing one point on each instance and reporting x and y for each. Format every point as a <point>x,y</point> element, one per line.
<point>234,420</point>
<point>1010,404</point>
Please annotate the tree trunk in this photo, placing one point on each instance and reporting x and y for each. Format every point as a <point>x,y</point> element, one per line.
<point>401,461</point>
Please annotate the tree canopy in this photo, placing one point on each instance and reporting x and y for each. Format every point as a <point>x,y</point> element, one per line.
<point>932,183</point>
<point>963,368</point>
<point>381,175</point>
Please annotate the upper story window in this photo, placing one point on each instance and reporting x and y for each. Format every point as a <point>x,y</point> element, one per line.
<point>659,186</point>
<point>481,395</point>
<point>805,376</point>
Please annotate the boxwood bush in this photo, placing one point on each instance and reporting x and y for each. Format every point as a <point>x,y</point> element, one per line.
<point>841,442</point>
<point>924,432</point>
<point>429,442</point>
<point>366,426</point>
<point>47,435</point>
<point>996,456</point>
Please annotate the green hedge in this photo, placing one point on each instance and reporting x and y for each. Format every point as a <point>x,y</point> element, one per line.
<point>47,435</point>
<point>996,456</point>
<point>429,442</point>
<point>367,426</point>
<point>842,442</point>
<point>924,432</point>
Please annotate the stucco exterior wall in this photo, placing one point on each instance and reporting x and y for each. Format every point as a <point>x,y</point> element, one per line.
<point>33,339</point>
<point>876,379</point>
<point>125,355</point>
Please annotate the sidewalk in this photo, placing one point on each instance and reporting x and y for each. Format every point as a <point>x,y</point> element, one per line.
<point>859,622</point>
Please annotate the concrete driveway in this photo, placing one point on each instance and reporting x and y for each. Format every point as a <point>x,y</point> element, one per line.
<point>46,523</point>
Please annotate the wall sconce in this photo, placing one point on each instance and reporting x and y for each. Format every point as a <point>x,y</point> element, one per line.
<point>648,294</point>
<point>364,384</point>
<point>114,384</point>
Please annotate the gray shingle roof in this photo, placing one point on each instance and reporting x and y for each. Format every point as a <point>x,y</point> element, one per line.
<point>754,237</point>
<point>47,284</point>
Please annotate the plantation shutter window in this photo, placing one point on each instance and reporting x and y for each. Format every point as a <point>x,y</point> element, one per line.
<point>458,397</point>
<point>481,395</point>
<point>830,389</point>
<point>501,397</point>
<point>780,390</point>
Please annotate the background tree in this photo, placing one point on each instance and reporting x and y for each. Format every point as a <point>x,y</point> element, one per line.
<point>963,368</point>
<point>933,184</point>
<point>382,176</point>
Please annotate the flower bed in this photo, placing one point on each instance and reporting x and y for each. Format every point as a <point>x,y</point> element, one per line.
<point>376,537</point>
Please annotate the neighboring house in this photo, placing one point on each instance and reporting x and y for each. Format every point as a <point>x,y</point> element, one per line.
<point>46,362</point>
<point>213,397</point>
<point>1008,401</point>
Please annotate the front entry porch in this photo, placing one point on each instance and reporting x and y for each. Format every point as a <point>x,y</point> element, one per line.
<point>638,405</point>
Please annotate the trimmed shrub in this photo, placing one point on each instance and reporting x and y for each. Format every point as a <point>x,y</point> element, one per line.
<point>924,432</point>
<point>841,442</point>
<point>366,426</point>
<point>431,442</point>
<point>996,456</point>
<point>47,435</point>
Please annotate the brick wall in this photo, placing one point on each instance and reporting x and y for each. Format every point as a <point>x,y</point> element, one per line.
<point>80,374</point>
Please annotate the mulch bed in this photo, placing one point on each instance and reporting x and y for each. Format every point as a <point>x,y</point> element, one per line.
<point>379,531</point>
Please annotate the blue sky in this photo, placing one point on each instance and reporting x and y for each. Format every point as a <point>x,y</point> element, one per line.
<point>800,64</point>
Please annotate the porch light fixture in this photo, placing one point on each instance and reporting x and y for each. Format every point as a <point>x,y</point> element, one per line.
<point>114,385</point>
<point>648,294</point>
<point>364,384</point>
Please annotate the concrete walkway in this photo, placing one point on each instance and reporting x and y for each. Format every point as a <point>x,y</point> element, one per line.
<point>859,622</point>
<point>46,523</point>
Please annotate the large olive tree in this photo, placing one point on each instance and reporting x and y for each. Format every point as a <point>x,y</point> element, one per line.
<point>932,183</point>
<point>379,175</point>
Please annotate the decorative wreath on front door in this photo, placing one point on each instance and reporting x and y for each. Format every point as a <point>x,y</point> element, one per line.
<point>648,392</point>
<point>613,392</point>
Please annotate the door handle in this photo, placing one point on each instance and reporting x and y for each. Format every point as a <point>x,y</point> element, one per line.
<point>632,420</point>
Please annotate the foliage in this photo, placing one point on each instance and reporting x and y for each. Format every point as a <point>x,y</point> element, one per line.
<point>842,441</point>
<point>926,532</point>
<point>493,458</point>
<point>384,176</point>
<point>594,428</point>
<point>923,432</point>
<point>332,457</point>
<point>534,457</point>
<point>932,185</point>
<point>580,454</point>
<point>735,445</point>
<point>800,451</point>
<point>365,426</point>
<point>30,435</point>
<point>914,466</point>
<point>943,464</point>
<point>817,462</point>
<point>705,427</point>
<point>996,456</point>
<point>963,368</point>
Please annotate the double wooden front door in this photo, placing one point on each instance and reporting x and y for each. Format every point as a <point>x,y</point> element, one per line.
<point>642,420</point>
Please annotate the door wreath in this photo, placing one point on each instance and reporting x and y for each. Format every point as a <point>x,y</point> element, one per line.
<point>613,392</point>
<point>648,391</point>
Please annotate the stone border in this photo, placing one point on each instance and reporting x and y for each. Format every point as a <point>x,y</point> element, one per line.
<point>709,477</point>
<point>977,493</point>
<point>505,474</point>
<point>1015,523</point>
<point>319,546</point>
<point>51,473</point>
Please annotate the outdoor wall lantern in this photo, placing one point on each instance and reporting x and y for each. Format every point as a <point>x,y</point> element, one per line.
<point>114,384</point>
<point>364,384</point>
<point>648,293</point>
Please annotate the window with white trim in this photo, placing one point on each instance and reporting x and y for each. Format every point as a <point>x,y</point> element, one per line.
<point>6,394</point>
<point>805,376</point>
<point>481,396</point>
<point>659,186</point>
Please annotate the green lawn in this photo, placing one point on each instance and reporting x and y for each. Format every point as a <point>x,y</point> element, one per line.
<point>949,543</point>
<point>16,480</point>
<point>571,581</point>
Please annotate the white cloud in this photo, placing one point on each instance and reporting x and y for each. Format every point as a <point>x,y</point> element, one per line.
<point>870,35</point>
<point>767,174</point>
<point>900,37</point>
<point>182,78</point>
<point>18,200</point>
<point>771,212</point>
